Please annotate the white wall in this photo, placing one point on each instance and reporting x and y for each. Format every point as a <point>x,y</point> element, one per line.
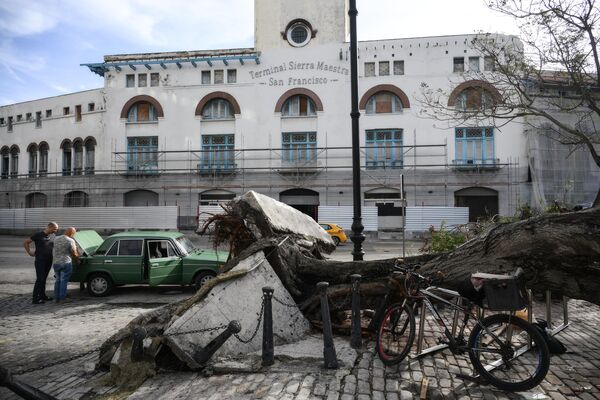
<point>56,128</point>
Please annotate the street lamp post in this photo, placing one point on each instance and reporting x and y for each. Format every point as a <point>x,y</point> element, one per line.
<point>357,236</point>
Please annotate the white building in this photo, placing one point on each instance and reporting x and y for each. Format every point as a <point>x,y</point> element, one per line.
<point>195,128</point>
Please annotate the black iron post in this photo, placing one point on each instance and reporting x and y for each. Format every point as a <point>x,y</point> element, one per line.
<point>355,330</point>
<point>137,348</point>
<point>328,345</point>
<point>268,354</point>
<point>356,236</point>
<point>20,388</point>
<point>203,355</point>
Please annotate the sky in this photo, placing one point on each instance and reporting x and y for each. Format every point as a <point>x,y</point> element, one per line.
<point>42,42</point>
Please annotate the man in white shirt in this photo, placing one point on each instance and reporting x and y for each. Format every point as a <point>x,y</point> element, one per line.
<point>65,249</point>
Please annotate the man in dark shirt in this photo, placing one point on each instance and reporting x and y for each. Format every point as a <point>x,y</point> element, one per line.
<point>43,241</point>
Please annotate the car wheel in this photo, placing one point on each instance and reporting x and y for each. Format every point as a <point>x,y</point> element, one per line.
<point>336,240</point>
<point>99,285</point>
<point>202,278</point>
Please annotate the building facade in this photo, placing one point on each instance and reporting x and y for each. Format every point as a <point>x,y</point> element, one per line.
<point>197,128</point>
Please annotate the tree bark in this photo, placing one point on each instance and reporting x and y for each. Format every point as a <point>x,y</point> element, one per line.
<point>559,252</point>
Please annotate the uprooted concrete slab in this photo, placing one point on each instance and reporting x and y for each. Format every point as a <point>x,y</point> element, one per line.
<point>240,300</point>
<point>265,217</point>
<point>274,217</point>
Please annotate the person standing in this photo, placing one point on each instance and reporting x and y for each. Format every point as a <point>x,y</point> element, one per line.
<point>65,250</point>
<point>43,241</point>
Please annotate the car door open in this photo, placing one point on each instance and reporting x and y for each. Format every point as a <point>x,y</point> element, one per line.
<point>164,263</point>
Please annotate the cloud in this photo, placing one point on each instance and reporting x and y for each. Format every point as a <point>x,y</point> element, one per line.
<point>172,25</point>
<point>17,63</point>
<point>23,19</point>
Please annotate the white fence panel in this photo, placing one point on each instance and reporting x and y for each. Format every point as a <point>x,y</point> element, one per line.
<point>205,212</point>
<point>421,218</point>
<point>126,218</point>
<point>342,215</point>
<point>12,218</point>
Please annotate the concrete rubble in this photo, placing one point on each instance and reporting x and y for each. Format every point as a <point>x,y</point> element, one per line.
<point>240,300</point>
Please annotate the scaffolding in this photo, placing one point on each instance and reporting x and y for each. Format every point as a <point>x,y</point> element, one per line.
<point>180,176</point>
<point>563,173</point>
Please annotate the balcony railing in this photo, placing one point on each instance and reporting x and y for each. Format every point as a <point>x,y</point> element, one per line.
<point>385,164</point>
<point>142,169</point>
<point>217,167</point>
<point>476,164</point>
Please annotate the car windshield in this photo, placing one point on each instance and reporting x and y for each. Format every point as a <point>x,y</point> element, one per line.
<point>185,244</point>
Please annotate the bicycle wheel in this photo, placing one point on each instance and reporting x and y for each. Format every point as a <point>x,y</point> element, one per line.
<point>396,334</point>
<point>500,353</point>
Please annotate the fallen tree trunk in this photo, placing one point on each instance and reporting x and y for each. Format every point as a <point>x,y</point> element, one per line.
<point>559,252</point>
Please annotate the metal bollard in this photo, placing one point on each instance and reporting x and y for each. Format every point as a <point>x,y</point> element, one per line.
<point>328,346</point>
<point>203,355</point>
<point>268,354</point>
<point>20,388</point>
<point>355,330</point>
<point>137,348</point>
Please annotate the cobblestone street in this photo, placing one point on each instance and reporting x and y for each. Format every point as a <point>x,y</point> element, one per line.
<point>36,335</point>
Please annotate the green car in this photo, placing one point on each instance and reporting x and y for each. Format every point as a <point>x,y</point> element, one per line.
<point>153,258</point>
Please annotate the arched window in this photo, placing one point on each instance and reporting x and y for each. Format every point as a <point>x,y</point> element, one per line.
<point>217,109</point>
<point>142,111</point>
<point>76,198</point>
<point>43,162</point>
<point>474,95</point>
<point>33,160</point>
<point>77,157</point>
<point>14,161</point>
<point>298,106</point>
<point>90,155</point>
<point>36,200</point>
<point>474,99</point>
<point>67,160</point>
<point>383,102</point>
<point>5,154</point>
<point>304,200</point>
<point>140,198</point>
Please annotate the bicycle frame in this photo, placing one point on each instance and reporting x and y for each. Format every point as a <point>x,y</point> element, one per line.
<point>425,295</point>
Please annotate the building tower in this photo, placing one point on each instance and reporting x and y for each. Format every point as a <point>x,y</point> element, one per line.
<point>285,23</point>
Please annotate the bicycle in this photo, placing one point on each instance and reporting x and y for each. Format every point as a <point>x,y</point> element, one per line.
<point>505,350</point>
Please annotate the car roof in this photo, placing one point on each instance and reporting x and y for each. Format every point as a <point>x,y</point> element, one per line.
<point>148,234</point>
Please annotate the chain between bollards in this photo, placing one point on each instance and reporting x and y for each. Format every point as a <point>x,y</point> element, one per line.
<point>268,353</point>
<point>355,331</point>
<point>329,355</point>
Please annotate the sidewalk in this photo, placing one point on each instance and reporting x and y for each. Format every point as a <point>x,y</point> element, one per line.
<point>35,335</point>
